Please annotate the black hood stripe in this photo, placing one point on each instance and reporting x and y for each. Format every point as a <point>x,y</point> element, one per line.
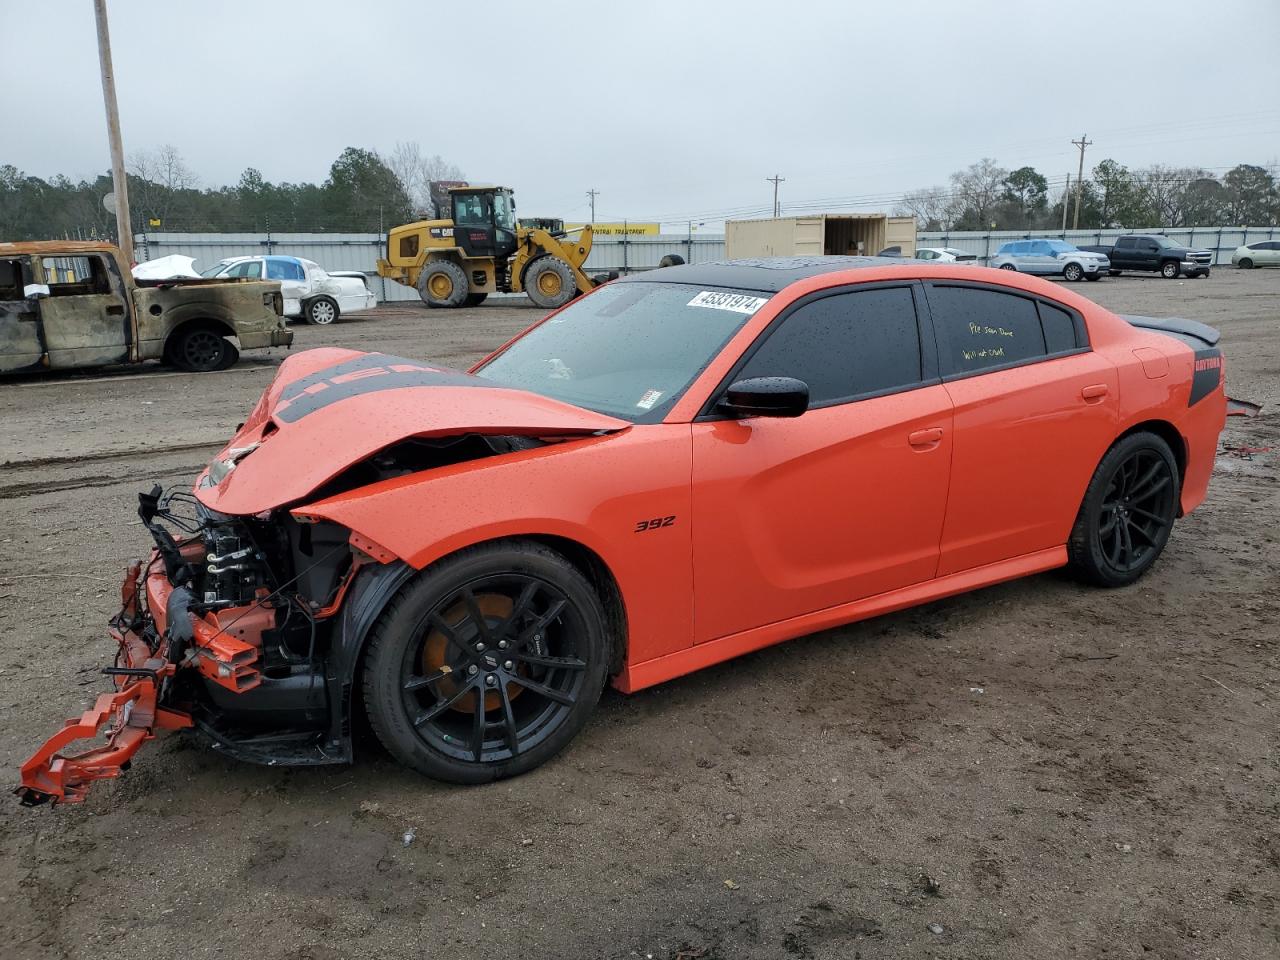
<point>371,373</point>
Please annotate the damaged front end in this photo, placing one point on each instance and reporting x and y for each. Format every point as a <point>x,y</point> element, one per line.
<point>248,620</point>
<point>224,628</point>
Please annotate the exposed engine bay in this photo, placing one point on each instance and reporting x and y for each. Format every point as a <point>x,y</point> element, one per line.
<point>234,626</point>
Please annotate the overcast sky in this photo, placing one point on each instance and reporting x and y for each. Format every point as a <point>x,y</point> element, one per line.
<point>670,110</point>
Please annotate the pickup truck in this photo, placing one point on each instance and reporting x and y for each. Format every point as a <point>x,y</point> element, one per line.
<point>68,304</point>
<point>1156,254</point>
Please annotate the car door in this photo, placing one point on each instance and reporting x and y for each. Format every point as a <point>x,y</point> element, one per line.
<point>21,346</point>
<point>85,321</point>
<point>1124,254</point>
<point>1035,410</point>
<point>1269,254</point>
<point>846,501</point>
<point>295,285</point>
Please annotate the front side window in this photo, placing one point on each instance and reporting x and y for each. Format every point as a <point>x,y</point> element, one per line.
<point>629,350</point>
<point>980,328</point>
<point>847,345</point>
<point>504,214</point>
<point>246,268</point>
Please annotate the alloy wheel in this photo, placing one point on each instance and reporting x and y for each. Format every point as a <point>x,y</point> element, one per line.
<point>1137,510</point>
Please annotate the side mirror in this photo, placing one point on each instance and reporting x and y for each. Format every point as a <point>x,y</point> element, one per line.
<point>35,291</point>
<point>766,397</point>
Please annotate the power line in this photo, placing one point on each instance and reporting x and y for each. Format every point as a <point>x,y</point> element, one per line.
<point>591,195</point>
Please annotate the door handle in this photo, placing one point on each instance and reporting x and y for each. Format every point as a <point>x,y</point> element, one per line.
<point>115,309</point>
<point>925,439</point>
<point>1094,392</point>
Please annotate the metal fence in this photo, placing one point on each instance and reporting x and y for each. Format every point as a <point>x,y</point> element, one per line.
<point>360,251</point>
<point>1222,241</point>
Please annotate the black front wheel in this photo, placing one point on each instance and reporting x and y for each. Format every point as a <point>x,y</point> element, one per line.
<point>1128,512</point>
<point>487,664</point>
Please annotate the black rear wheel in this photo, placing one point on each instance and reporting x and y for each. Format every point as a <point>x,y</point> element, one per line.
<point>487,664</point>
<point>201,350</point>
<point>1128,512</point>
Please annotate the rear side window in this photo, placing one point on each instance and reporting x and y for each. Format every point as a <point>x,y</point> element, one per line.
<point>284,270</point>
<point>845,345</point>
<point>979,328</point>
<point>1059,328</point>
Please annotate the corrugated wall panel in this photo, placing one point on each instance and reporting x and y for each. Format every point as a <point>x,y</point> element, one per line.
<point>1221,240</point>
<point>360,251</point>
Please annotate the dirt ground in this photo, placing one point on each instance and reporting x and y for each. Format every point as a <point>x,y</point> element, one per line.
<point>1034,770</point>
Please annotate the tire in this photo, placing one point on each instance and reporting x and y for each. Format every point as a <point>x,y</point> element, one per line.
<point>1204,274</point>
<point>671,260</point>
<point>549,282</point>
<point>1091,277</point>
<point>1169,270</point>
<point>321,311</point>
<point>428,660</point>
<point>443,283</point>
<point>474,299</point>
<point>1246,264</point>
<point>1007,266</point>
<point>1113,273</point>
<point>1137,477</point>
<point>201,349</point>
<point>1073,272</point>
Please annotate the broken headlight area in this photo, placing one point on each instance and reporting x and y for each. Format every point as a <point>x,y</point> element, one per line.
<point>226,627</point>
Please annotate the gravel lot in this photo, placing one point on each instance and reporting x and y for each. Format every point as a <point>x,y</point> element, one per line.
<point>1034,770</point>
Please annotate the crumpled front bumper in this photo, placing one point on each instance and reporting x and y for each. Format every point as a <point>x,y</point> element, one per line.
<point>129,715</point>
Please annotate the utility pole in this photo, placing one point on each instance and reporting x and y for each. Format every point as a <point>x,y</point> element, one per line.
<point>591,195</point>
<point>775,180</point>
<point>124,227</point>
<point>1066,195</point>
<point>1083,142</point>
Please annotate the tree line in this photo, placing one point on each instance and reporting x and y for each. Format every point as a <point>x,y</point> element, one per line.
<point>365,192</point>
<point>985,196</point>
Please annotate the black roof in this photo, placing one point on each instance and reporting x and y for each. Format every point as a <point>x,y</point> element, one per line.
<point>762,273</point>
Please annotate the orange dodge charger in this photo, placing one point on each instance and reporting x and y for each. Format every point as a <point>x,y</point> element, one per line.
<point>683,466</point>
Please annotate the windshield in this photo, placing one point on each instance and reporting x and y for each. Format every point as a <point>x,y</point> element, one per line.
<point>1164,243</point>
<point>213,271</point>
<point>629,350</point>
<point>504,214</point>
<point>1058,246</point>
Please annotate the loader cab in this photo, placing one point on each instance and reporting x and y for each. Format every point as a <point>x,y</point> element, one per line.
<point>484,221</point>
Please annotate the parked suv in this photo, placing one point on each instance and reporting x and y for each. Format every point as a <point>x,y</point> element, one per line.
<point>1050,258</point>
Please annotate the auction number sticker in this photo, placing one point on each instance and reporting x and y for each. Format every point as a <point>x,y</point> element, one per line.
<point>650,397</point>
<point>722,300</point>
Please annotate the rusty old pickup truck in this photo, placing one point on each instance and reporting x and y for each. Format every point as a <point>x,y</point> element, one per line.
<point>70,304</point>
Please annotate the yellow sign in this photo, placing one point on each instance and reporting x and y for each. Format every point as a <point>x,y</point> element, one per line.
<point>620,229</point>
<point>154,222</point>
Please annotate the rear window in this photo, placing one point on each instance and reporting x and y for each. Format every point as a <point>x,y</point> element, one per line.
<point>980,328</point>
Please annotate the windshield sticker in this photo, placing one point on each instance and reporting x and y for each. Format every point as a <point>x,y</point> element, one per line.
<point>649,399</point>
<point>720,300</point>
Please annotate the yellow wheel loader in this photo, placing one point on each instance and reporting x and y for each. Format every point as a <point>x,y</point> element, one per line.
<point>482,249</point>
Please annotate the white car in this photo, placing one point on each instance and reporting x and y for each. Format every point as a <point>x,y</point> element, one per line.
<point>946,255</point>
<point>309,290</point>
<point>1264,253</point>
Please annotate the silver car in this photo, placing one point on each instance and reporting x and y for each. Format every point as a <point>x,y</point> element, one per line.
<point>1264,253</point>
<point>1051,258</point>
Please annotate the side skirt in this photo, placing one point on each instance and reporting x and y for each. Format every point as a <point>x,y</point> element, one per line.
<point>640,675</point>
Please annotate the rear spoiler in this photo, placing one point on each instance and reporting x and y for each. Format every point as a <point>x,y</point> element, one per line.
<point>1192,332</point>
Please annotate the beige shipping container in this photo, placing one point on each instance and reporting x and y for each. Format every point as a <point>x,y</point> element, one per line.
<point>823,234</point>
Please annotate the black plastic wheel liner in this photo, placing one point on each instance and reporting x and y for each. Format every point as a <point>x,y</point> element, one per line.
<point>373,588</point>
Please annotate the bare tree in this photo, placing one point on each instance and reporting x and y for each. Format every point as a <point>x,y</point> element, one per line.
<point>931,206</point>
<point>416,171</point>
<point>976,190</point>
<point>158,176</point>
